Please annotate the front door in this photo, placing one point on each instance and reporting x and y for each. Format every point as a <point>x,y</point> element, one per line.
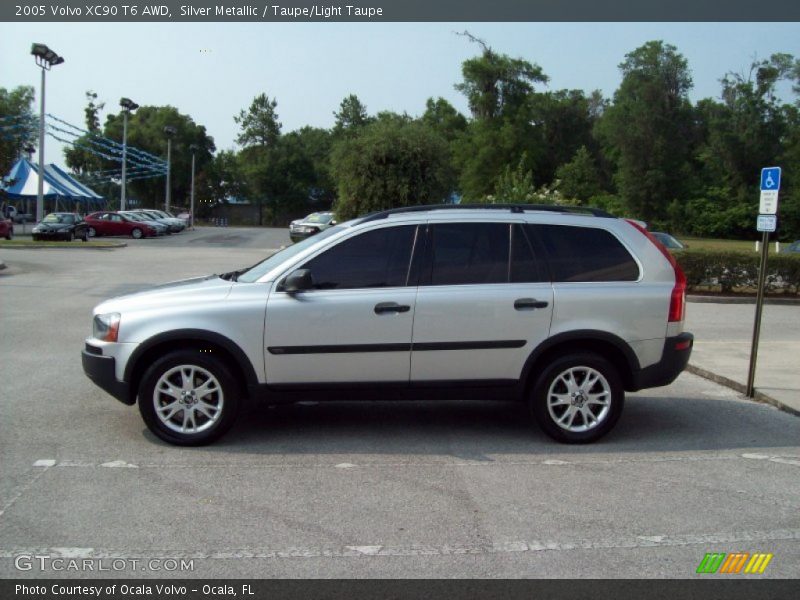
<point>355,324</point>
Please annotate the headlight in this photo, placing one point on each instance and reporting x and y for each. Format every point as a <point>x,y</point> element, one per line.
<point>106,327</point>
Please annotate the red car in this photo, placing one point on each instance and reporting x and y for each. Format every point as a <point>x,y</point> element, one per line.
<point>6,228</point>
<point>113,223</point>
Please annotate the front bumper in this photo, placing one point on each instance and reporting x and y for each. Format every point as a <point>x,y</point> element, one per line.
<point>674,359</point>
<point>51,234</point>
<point>101,370</point>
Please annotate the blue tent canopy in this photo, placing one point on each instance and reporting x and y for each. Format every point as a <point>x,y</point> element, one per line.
<point>58,185</point>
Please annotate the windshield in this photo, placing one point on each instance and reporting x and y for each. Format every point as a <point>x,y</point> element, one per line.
<point>132,217</point>
<point>264,267</point>
<point>54,218</point>
<point>319,218</point>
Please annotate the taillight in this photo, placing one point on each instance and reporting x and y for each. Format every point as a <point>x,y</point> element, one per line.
<point>677,300</point>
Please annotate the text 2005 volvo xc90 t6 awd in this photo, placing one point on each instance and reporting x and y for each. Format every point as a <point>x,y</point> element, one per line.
<point>562,309</point>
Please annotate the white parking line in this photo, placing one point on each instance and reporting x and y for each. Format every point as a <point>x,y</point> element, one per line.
<point>388,550</point>
<point>489,462</point>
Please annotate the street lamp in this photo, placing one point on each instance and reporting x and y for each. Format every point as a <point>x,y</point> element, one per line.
<point>127,106</point>
<point>194,148</point>
<point>170,131</point>
<point>46,59</point>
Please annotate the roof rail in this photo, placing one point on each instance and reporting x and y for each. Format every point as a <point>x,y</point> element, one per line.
<point>514,208</point>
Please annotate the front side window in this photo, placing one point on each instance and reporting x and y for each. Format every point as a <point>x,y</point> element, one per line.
<point>584,254</point>
<point>378,258</point>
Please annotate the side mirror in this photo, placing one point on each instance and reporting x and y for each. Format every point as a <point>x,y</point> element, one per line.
<point>334,222</point>
<point>298,281</point>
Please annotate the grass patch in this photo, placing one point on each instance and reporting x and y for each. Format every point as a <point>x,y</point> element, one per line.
<point>696,243</point>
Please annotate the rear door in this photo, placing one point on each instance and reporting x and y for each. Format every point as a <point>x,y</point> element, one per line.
<point>483,303</point>
<point>355,325</point>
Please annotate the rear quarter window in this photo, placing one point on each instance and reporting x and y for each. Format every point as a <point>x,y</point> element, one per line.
<point>584,254</point>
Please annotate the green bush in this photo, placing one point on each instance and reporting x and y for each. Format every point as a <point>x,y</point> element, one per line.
<point>728,272</point>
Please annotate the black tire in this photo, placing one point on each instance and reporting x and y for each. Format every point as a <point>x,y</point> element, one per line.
<point>91,232</point>
<point>69,236</point>
<point>137,233</point>
<point>226,394</point>
<point>85,237</point>
<point>10,233</point>
<point>583,429</point>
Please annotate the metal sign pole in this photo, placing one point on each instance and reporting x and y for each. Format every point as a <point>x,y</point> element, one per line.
<point>762,279</point>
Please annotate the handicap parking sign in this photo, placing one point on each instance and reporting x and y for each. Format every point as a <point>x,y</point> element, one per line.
<point>770,179</point>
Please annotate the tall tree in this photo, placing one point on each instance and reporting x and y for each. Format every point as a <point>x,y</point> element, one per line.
<point>495,84</point>
<point>259,125</point>
<point>351,116</point>
<point>647,130</point>
<point>390,163</point>
<point>18,130</point>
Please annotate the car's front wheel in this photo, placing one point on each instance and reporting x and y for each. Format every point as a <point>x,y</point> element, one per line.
<point>578,398</point>
<point>189,398</point>
<point>10,233</point>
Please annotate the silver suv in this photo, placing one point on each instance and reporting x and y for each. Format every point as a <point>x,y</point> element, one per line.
<point>564,309</point>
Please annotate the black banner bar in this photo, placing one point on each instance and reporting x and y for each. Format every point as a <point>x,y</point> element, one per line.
<point>299,11</point>
<point>731,588</point>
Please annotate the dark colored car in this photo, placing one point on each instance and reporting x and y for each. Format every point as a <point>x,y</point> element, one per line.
<point>300,229</point>
<point>6,228</point>
<point>61,226</point>
<point>793,248</point>
<point>668,241</point>
<point>114,223</point>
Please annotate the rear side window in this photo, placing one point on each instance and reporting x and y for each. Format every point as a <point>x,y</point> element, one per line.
<point>378,258</point>
<point>584,254</point>
<point>469,253</point>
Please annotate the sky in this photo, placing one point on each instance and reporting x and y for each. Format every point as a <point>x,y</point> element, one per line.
<point>211,71</point>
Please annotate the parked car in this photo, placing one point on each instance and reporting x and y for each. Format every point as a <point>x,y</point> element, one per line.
<point>174,224</point>
<point>115,223</point>
<point>184,216</point>
<point>793,248</point>
<point>669,241</point>
<point>300,229</point>
<point>161,228</point>
<point>61,226</point>
<point>563,308</point>
<point>6,228</point>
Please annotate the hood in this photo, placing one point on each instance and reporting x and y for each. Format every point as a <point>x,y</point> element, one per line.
<point>211,288</point>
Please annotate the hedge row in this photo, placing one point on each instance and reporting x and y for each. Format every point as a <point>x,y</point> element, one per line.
<point>729,272</point>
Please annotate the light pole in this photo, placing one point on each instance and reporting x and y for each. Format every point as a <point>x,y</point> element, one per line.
<point>194,148</point>
<point>45,58</point>
<point>127,106</point>
<point>170,131</point>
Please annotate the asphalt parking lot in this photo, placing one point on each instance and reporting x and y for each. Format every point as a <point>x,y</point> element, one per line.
<point>361,490</point>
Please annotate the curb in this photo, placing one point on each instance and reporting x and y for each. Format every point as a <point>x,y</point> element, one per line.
<point>742,389</point>
<point>34,246</point>
<point>740,300</point>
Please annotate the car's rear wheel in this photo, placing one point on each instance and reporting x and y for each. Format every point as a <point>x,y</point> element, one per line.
<point>578,398</point>
<point>10,234</point>
<point>91,232</point>
<point>69,236</point>
<point>136,233</point>
<point>188,398</point>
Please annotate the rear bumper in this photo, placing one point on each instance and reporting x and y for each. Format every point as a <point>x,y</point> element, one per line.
<point>674,359</point>
<point>101,370</point>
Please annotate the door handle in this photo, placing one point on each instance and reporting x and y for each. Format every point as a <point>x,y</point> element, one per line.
<point>526,303</point>
<point>390,307</point>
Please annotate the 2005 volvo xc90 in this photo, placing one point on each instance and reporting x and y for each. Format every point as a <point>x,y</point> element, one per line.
<point>563,309</point>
